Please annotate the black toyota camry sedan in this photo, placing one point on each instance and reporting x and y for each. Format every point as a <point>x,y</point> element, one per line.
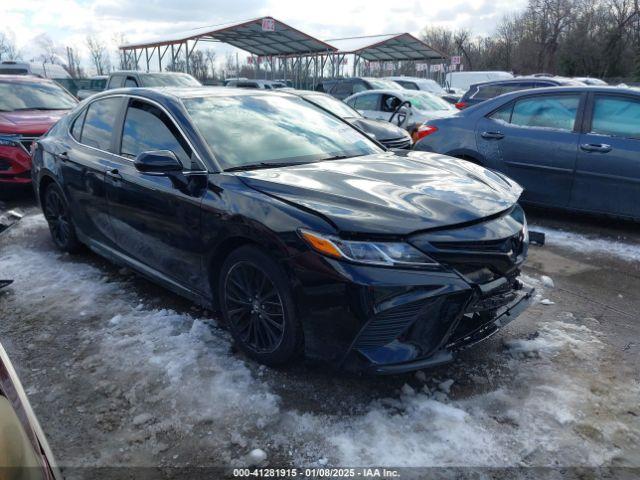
<point>305,234</point>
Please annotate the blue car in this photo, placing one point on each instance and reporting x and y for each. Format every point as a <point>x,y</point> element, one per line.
<point>575,148</point>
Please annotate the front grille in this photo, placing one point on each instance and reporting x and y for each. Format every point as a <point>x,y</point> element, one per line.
<point>402,142</point>
<point>513,244</point>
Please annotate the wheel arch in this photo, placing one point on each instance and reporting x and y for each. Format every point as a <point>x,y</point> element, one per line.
<point>45,180</point>
<point>224,248</point>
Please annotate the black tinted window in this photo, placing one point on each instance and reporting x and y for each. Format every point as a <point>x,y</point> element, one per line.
<point>390,103</point>
<point>147,128</point>
<point>248,85</point>
<point>343,88</point>
<point>130,82</point>
<point>99,123</point>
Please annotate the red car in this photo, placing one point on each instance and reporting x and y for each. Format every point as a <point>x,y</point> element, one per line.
<point>29,106</point>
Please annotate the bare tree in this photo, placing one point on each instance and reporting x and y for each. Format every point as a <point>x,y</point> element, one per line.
<point>569,37</point>
<point>120,39</point>
<point>98,54</point>
<point>50,51</point>
<point>8,49</point>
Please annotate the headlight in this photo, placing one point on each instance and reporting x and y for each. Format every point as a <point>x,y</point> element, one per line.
<point>370,253</point>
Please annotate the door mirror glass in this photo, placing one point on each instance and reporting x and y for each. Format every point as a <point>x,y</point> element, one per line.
<point>158,161</point>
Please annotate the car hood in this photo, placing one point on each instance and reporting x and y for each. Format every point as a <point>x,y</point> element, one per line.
<point>390,194</point>
<point>381,129</point>
<point>29,122</point>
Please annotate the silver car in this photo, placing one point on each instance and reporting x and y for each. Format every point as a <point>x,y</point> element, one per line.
<point>406,108</point>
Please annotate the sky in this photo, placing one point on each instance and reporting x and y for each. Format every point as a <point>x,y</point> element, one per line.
<point>69,22</point>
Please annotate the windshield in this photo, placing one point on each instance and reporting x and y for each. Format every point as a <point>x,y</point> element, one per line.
<point>432,86</point>
<point>335,106</point>
<point>382,84</point>
<point>252,129</point>
<point>34,96</point>
<point>169,80</point>
<point>428,101</point>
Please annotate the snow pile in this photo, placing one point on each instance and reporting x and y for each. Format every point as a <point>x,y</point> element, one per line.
<point>585,244</point>
<point>164,386</point>
<point>555,337</point>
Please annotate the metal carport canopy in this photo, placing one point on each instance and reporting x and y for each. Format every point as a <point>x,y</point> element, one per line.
<point>387,48</point>
<point>249,36</point>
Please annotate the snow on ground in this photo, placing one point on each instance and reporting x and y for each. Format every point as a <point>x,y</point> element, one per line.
<point>148,380</point>
<point>588,244</point>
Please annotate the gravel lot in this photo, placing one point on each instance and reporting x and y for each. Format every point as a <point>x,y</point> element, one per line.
<point>123,373</point>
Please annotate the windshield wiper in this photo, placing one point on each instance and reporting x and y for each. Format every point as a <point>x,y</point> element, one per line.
<point>342,157</point>
<point>257,166</point>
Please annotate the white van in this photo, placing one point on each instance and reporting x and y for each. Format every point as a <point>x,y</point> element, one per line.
<point>461,81</point>
<point>43,70</point>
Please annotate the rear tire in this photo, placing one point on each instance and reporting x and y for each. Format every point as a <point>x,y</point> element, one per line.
<point>258,307</point>
<point>56,212</point>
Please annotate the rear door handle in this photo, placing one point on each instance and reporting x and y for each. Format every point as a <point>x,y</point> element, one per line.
<point>63,156</point>
<point>595,147</point>
<point>492,135</point>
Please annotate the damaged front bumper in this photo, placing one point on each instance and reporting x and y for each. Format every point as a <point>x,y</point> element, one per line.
<point>388,320</point>
<point>468,331</point>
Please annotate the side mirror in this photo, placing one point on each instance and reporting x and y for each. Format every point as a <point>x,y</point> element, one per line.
<point>158,161</point>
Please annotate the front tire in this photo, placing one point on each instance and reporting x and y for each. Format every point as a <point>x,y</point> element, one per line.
<point>257,305</point>
<point>56,212</point>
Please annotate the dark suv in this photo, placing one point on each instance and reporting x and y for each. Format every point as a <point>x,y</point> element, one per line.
<point>484,91</point>
<point>132,78</point>
<point>342,88</point>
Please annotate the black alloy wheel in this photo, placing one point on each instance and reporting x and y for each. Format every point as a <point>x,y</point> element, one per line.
<point>257,306</point>
<point>57,215</point>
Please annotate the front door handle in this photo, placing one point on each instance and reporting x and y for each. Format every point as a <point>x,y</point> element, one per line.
<point>492,135</point>
<point>114,173</point>
<point>63,156</point>
<point>595,147</point>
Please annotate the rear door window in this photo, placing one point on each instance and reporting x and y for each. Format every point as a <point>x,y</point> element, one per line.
<point>547,111</point>
<point>130,82</point>
<point>76,129</point>
<point>343,88</point>
<point>147,128</point>
<point>116,81</point>
<point>408,85</point>
<point>616,116</point>
<point>367,102</point>
<point>99,123</point>
<point>390,103</point>
<point>359,87</point>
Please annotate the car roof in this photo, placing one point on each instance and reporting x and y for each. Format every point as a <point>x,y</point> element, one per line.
<point>24,79</point>
<point>189,92</point>
<point>561,89</point>
<point>506,81</point>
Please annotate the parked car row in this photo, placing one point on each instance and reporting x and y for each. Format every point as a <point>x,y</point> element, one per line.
<point>575,147</point>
